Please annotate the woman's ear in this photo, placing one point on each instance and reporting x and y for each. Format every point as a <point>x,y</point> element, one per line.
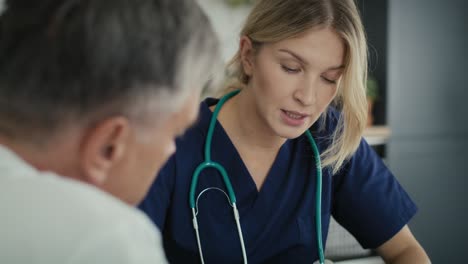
<point>103,147</point>
<point>246,55</point>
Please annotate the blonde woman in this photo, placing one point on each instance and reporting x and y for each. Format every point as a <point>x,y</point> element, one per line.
<point>291,159</point>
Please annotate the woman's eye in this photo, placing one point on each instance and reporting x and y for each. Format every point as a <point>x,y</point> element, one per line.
<point>329,80</point>
<point>290,70</point>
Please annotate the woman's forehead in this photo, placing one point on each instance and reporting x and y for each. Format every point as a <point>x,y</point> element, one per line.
<point>322,46</point>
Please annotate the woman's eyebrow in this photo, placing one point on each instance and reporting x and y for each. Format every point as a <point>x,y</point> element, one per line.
<point>303,61</point>
<point>299,58</point>
<point>334,68</point>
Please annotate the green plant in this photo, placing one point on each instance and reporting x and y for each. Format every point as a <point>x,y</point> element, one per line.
<point>372,89</point>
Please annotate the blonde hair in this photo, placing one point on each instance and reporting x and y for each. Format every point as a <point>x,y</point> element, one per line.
<point>271,21</point>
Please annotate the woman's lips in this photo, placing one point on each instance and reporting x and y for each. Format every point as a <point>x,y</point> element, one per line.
<point>293,118</point>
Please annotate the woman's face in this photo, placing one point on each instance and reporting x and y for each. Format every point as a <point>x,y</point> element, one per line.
<point>294,80</point>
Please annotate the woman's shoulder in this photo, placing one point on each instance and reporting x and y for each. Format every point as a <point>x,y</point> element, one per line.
<point>190,145</point>
<point>197,132</point>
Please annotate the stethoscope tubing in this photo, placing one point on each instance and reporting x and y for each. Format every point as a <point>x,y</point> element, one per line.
<point>208,163</point>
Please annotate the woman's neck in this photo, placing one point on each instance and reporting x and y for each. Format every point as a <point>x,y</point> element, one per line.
<point>245,126</point>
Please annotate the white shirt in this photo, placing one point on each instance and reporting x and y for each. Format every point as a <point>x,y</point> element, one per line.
<point>49,219</point>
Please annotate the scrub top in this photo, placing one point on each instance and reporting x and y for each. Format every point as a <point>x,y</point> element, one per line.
<point>278,221</point>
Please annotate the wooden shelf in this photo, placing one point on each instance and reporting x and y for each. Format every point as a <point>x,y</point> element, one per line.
<point>377,135</point>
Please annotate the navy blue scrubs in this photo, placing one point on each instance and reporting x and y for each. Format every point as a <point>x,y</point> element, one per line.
<point>278,221</point>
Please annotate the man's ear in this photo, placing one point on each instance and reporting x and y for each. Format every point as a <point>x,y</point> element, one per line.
<point>246,54</point>
<point>103,146</point>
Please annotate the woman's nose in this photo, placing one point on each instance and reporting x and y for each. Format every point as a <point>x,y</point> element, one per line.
<point>306,94</point>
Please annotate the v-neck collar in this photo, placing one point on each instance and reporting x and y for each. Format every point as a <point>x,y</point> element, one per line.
<point>238,172</point>
<point>275,196</point>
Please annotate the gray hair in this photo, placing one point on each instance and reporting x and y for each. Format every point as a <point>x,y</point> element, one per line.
<point>83,60</point>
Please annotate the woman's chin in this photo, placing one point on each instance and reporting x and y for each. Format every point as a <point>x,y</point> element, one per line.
<point>290,133</point>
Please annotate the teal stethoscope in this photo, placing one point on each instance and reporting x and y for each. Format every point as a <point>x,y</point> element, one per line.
<point>208,163</point>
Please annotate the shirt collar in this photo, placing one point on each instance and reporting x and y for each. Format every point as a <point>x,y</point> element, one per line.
<point>13,165</point>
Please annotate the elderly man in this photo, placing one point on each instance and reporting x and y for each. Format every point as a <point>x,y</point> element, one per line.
<point>92,95</point>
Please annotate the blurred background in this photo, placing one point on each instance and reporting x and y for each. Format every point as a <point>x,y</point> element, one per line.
<point>418,63</point>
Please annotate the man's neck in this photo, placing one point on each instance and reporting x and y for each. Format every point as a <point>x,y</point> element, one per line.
<point>43,157</point>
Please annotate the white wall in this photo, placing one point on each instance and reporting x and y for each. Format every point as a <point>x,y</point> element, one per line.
<point>227,22</point>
